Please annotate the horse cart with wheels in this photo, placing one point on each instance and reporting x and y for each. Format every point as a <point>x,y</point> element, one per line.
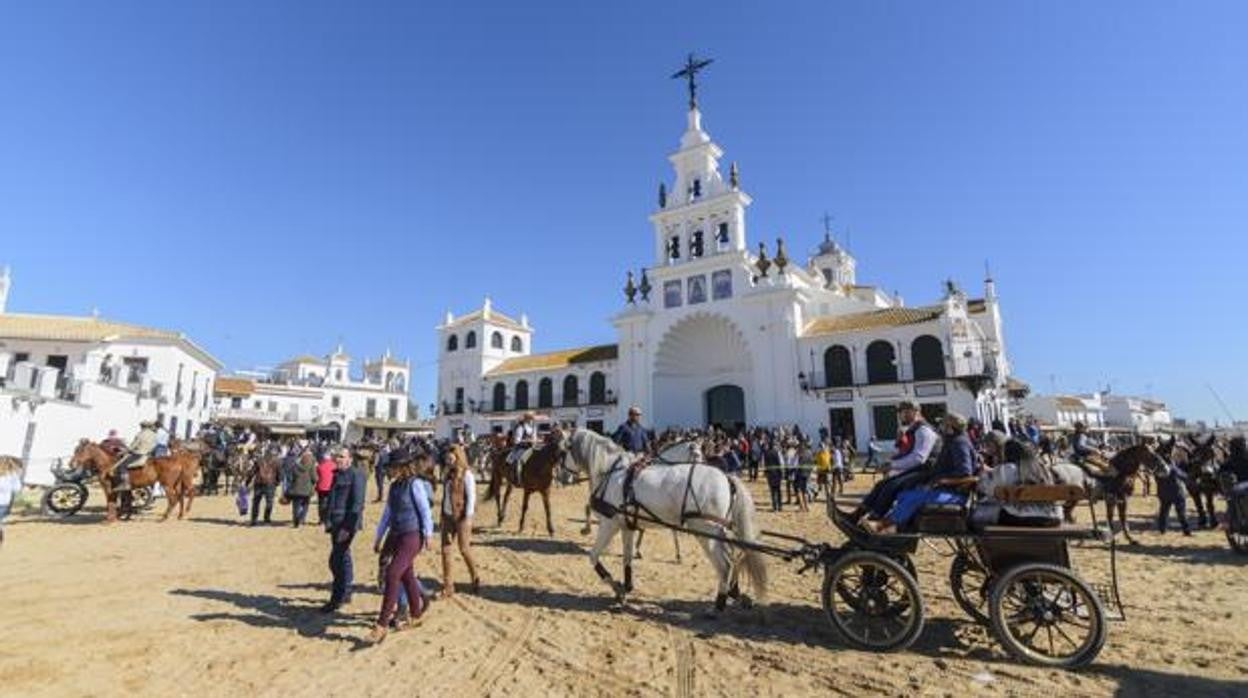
<point>69,494</point>
<point>1019,580</point>
<point>1236,514</point>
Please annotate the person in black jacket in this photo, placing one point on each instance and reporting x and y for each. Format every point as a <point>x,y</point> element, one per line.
<point>344,516</point>
<point>955,462</point>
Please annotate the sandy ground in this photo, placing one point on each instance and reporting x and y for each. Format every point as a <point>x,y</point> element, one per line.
<point>207,607</point>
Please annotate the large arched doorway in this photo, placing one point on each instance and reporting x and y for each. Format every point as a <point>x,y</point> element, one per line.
<point>698,354</point>
<point>725,407</point>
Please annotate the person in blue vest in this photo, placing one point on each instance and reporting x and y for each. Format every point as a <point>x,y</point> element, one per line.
<point>631,435</point>
<point>407,526</point>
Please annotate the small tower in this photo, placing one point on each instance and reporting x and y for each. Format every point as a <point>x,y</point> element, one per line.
<point>833,263</point>
<point>5,282</point>
<point>339,367</point>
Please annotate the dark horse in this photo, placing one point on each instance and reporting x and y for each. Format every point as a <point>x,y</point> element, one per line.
<point>1201,467</point>
<point>1116,489</point>
<point>537,475</point>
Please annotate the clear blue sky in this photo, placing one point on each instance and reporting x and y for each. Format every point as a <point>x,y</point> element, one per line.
<point>269,177</point>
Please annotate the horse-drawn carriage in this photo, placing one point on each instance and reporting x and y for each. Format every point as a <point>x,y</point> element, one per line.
<point>69,493</point>
<point>1017,579</point>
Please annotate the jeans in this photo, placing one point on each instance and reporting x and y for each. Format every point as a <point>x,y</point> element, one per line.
<point>1180,512</point>
<point>340,567</point>
<point>298,509</point>
<point>880,499</point>
<point>322,507</point>
<point>911,501</point>
<point>264,492</point>
<point>774,477</point>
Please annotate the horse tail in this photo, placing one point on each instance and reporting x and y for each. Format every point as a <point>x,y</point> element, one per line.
<point>747,529</point>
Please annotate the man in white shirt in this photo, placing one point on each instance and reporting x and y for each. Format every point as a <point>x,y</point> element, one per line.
<point>905,471</point>
<point>523,439</point>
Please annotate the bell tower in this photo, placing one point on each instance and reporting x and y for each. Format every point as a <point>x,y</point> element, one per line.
<point>702,214</point>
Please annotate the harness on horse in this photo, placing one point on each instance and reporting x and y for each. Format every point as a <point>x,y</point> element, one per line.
<point>632,509</point>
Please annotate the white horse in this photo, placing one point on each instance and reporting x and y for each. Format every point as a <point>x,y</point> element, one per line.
<point>696,497</point>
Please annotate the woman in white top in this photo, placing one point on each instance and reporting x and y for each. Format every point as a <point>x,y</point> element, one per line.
<point>1021,467</point>
<point>459,501</point>
<point>10,486</point>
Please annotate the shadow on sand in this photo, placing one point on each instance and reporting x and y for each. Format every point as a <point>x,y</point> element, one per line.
<point>265,611</point>
<point>541,546</point>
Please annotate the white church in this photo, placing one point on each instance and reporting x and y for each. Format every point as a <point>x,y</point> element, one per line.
<point>718,331</point>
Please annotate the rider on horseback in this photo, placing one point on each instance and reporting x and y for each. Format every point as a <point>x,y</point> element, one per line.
<point>136,457</point>
<point>523,442</point>
<point>1085,454</point>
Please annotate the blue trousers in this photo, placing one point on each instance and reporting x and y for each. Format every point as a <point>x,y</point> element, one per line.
<point>911,501</point>
<point>341,568</point>
<point>880,499</point>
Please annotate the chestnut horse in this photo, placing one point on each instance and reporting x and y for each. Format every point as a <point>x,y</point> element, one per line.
<point>175,473</point>
<point>537,475</point>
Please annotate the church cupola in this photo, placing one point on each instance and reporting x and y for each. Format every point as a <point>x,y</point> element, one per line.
<point>832,262</point>
<point>702,214</point>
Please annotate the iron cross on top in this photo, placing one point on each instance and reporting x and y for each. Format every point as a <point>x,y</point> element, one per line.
<point>693,65</point>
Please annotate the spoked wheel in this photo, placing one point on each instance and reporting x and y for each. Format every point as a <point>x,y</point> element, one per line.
<point>1045,615</point>
<point>64,500</point>
<point>1237,536</point>
<point>142,498</point>
<point>971,585</point>
<point>873,602</point>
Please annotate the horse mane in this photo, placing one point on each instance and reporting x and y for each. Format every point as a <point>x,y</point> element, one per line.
<point>595,451</point>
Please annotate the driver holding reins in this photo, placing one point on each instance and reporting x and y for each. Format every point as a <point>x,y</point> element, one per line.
<point>140,448</point>
<point>1085,454</point>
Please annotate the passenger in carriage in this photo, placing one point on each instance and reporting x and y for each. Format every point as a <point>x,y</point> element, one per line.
<point>955,462</point>
<point>1236,464</point>
<point>1021,466</point>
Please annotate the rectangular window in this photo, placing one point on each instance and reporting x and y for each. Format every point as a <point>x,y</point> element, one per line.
<point>370,408</point>
<point>884,422</point>
<point>173,426</point>
<point>671,294</point>
<point>394,410</point>
<point>190,429</point>
<point>272,405</point>
<point>236,403</point>
<point>721,284</point>
<point>459,401</point>
<point>697,289</point>
<point>335,402</point>
<point>933,412</point>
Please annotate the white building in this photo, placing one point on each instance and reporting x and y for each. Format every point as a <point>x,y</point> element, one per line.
<point>711,332</point>
<point>63,378</point>
<point>1137,414</point>
<point>307,394</point>
<point>1062,411</point>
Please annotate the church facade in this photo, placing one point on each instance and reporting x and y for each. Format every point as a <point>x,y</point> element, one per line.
<point>718,330</point>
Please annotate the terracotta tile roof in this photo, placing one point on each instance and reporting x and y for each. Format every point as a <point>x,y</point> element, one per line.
<point>1070,403</point>
<point>68,328</point>
<point>240,387</point>
<point>495,317</point>
<point>1015,385</point>
<point>869,320</point>
<point>557,359</point>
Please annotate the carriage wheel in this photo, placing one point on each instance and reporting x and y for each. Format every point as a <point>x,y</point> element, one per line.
<point>873,602</point>
<point>142,498</point>
<point>64,500</point>
<point>971,585</point>
<point>1045,615</point>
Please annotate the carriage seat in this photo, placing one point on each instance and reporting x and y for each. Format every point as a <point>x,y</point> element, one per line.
<point>948,518</point>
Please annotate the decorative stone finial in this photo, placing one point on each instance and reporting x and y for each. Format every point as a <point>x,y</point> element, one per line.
<point>734,176</point>
<point>486,308</point>
<point>763,264</point>
<point>630,289</point>
<point>645,286</point>
<point>782,260</point>
<point>662,195</point>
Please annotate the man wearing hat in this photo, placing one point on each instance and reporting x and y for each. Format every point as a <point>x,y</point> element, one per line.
<point>904,470</point>
<point>1086,455</point>
<point>140,448</point>
<point>631,435</point>
<point>523,439</point>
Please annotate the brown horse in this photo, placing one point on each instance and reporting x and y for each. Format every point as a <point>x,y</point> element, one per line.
<point>175,473</point>
<point>1114,490</point>
<point>537,475</point>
